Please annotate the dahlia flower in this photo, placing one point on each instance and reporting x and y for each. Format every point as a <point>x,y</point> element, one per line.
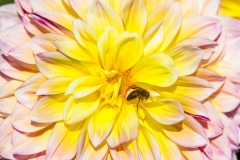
<point>118,79</point>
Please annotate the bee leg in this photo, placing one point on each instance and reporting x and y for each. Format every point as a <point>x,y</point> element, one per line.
<point>138,102</point>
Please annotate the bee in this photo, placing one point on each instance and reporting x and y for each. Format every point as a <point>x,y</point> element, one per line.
<point>138,92</point>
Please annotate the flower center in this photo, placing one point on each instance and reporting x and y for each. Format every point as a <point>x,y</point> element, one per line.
<point>124,78</point>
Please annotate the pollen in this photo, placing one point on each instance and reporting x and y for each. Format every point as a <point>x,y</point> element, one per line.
<point>126,82</point>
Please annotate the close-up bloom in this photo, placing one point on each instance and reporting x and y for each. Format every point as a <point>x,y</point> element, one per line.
<point>119,79</point>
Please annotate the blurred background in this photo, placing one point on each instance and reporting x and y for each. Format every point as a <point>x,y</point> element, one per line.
<point>5,2</point>
<point>2,2</point>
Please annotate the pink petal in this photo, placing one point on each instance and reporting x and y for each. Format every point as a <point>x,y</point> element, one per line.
<point>188,133</point>
<point>13,36</point>
<point>231,131</point>
<point>215,79</point>
<point>60,18</point>
<point>231,73</point>
<point>210,8</point>
<point>30,143</point>
<point>190,105</point>
<point>221,148</point>
<point>205,44</point>
<point>23,53</point>
<point>190,86</point>
<point>5,138</point>
<point>226,99</point>
<point>8,88</point>
<point>191,153</point>
<point>26,93</point>
<point>44,42</point>
<point>214,127</point>
<point>14,70</point>
<point>20,119</point>
<point>202,26</point>
<point>30,26</point>
<point>48,109</point>
<point>7,105</point>
<point>9,8</point>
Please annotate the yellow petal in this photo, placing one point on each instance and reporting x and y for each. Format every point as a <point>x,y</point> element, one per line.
<point>159,68</point>
<point>229,8</point>
<point>189,8</point>
<point>165,111</point>
<point>86,150</point>
<point>55,5</point>
<point>170,14</point>
<point>119,153</point>
<point>86,37</point>
<point>85,85</point>
<point>81,7</point>
<point>135,16</point>
<point>63,141</point>
<point>148,148</point>
<point>49,109</point>
<point>76,110</point>
<point>105,47</point>
<point>115,4</point>
<point>132,149</point>
<point>125,128</point>
<point>186,58</point>
<point>54,64</point>
<point>153,38</point>
<point>169,149</point>
<point>55,85</point>
<point>127,50</point>
<point>153,4</point>
<point>100,15</point>
<point>72,49</point>
<point>101,125</point>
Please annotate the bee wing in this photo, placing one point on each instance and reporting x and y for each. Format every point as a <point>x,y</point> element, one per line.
<point>128,92</point>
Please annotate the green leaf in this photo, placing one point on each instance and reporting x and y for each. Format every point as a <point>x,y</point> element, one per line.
<point>2,2</point>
